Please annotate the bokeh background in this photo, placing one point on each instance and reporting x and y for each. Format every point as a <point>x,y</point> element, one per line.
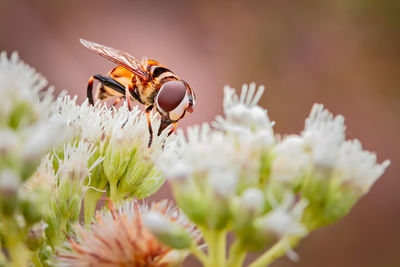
<point>342,53</point>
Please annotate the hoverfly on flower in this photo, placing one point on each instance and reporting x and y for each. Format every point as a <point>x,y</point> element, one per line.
<point>147,82</point>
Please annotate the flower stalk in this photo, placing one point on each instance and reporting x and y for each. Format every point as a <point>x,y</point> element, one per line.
<point>216,241</point>
<point>236,254</point>
<point>276,251</point>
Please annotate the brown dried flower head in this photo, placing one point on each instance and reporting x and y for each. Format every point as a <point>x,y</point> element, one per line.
<point>119,237</point>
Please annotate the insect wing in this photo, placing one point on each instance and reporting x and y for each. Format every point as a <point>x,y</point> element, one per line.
<point>119,57</point>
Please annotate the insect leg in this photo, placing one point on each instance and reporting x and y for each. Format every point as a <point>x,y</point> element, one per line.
<point>106,81</point>
<point>164,124</point>
<point>173,129</point>
<point>117,101</point>
<point>148,109</point>
<point>128,96</point>
<point>90,91</point>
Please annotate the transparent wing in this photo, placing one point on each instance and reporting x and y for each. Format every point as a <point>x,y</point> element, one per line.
<point>119,57</point>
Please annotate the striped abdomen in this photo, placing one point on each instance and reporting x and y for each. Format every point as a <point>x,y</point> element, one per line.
<point>146,90</point>
<point>160,74</point>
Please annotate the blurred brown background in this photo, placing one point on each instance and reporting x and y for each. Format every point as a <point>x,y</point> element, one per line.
<point>344,54</point>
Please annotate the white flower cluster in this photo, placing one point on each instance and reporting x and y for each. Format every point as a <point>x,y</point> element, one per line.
<point>228,154</point>
<point>123,128</point>
<point>19,83</point>
<point>239,171</point>
<point>26,130</point>
<point>322,145</point>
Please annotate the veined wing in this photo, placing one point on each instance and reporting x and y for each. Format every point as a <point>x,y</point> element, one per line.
<point>119,57</point>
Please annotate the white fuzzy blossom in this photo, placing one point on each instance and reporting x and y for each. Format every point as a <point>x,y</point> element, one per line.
<point>358,167</point>
<point>290,158</point>
<point>204,151</point>
<point>285,218</point>
<point>45,176</point>
<point>74,164</point>
<point>284,222</point>
<point>324,134</point>
<point>20,82</point>
<point>244,118</point>
<point>252,200</point>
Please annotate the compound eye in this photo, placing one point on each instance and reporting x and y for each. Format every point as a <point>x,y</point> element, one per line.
<point>171,95</point>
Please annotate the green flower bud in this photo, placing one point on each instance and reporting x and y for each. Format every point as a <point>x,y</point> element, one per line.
<point>136,172</point>
<point>339,200</point>
<point>36,236</point>
<point>246,208</point>
<point>45,253</point>
<point>33,205</point>
<point>21,115</point>
<point>219,212</point>
<point>116,159</point>
<point>167,232</point>
<point>316,185</point>
<point>250,204</point>
<point>265,168</point>
<point>191,201</point>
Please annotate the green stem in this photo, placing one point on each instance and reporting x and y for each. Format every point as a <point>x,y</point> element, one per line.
<point>216,247</point>
<point>19,254</point>
<point>36,259</point>
<point>13,237</point>
<point>114,196</point>
<point>236,254</point>
<point>275,252</point>
<point>91,197</point>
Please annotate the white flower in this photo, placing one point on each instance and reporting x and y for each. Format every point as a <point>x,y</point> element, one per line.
<point>252,200</point>
<point>358,167</point>
<point>244,118</point>
<point>8,141</point>
<point>291,158</point>
<point>45,176</point>
<point>20,83</point>
<point>324,134</point>
<point>206,152</point>
<point>285,218</point>
<point>9,181</point>
<point>42,136</point>
<point>74,164</point>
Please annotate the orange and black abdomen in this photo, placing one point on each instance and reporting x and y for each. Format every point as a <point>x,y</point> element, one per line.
<point>159,74</point>
<point>145,90</point>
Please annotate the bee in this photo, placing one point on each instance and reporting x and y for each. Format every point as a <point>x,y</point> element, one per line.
<point>147,82</point>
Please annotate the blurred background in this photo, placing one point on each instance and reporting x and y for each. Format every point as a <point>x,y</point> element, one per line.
<point>344,54</point>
